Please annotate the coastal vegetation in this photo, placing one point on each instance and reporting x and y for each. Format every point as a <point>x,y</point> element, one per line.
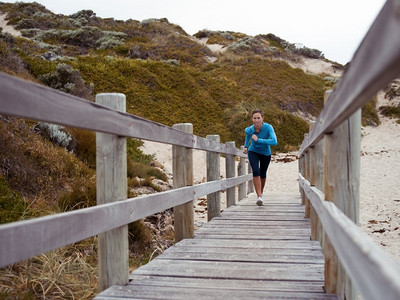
<point>167,76</point>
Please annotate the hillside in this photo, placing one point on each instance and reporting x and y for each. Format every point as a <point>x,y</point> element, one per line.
<point>212,79</point>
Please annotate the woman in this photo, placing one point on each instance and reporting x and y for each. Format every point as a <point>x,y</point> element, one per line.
<point>262,136</point>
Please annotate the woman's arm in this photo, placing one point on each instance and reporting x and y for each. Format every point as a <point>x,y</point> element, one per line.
<point>270,139</point>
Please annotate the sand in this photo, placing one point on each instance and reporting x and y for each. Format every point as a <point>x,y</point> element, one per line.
<point>7,28</point>
<point>380,184</point>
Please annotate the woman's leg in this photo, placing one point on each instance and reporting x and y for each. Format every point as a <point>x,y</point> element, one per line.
<point>263,180</point>
<point>257,185</point>
<point>255,166</point>
<point>264,163</point>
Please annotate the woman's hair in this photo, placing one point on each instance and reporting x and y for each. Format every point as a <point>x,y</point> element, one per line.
<point>257,111</point>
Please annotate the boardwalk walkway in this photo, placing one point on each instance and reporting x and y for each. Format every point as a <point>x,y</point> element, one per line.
<point>249,252</point>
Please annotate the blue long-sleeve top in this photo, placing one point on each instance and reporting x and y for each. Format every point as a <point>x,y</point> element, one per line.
<point>266,138</point>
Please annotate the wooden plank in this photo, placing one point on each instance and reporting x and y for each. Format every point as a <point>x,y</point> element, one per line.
<point>235,270</point>
<point>111,186</point>
<point>162,292</point>
<point>264,212</point>
<point>254,237</point>
<point>232,284</point>
<point>51,232</point>
<point>249,223</point>
<point>260,231</point>
<point>374,272</point>
<point>182,165</point>
<point>375,63</point>
<point>275,256</point>
<point>276,217</point>
<point>241,171</point>
<point>230,171</point>
<point>250,185</point>
<point>342,187</point>
<point>25,99</point>
<point>317,252</point>
<point>254,244</point>
<point>243,265</point>
<point>213,173</point>
<point>268,207</point>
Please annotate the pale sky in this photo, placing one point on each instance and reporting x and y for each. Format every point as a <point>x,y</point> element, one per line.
<point>334,27</point>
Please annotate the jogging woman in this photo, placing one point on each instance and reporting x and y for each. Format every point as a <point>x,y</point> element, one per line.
<point>260,136</point>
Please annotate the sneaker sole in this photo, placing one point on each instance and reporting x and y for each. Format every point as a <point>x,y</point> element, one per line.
<point>259,203</point>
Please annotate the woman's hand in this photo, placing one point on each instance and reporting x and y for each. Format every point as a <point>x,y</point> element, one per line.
<point>254,137</point>
<point>245,150</point>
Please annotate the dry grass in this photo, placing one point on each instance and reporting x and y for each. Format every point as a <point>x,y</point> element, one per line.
<point>66,273</point>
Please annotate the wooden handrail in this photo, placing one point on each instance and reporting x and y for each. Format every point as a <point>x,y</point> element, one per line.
<point>374,65</point>
<point>25,99</point>
<point>66,228</point>
<point>376,275</point>
<point>334,145</point>
<point>29,100</point>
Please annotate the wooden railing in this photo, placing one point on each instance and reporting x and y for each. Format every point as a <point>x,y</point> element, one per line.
<point>109,219</point>
<point>329,169</point>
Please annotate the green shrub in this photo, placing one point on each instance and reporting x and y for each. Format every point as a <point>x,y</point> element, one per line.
<point>13,207</point>
<point>134,152</point>
<point>85,148</point>
<point>111,40</point>
<point>391,111</point>
<point>83,194</point>
<point>67,79</point>
<point>139,236</point>
<point>141,170</point>
<point>369,115</point>
<point>9,61</point>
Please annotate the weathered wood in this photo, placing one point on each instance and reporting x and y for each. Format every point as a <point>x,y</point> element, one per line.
<point>51,232</point>
<point>372,270</point>
<point>318,182</point>
<point>250,185</point>
<point>230,171</point>
<point>111,185</point>
<point>22,98</point>
<point>375,63</point>
<point>302,172</point>
<point>252,244</point>
<point>266,286</point>
<point>235,270</point>
<point>254,263</point>
<point>242,171</point>
<point>243,254</point>
<point>213,173</point>
<point>341,184</point>
<point>266,291</point>
<point>307,172</point>
<point>182,165</point>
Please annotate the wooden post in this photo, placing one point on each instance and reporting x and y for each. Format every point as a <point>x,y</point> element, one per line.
<point>317,180</point>
<point>230,172</point>
<point>341,184</point>
<point>213,173</point>
<point>242,171</point>
<point>111,185</point>
<point>250,186</point>
<point>182,169</point>
<point>302,172</point>
<point>307,158</point>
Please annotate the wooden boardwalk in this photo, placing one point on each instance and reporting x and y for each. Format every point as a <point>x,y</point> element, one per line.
<point>250,252</point>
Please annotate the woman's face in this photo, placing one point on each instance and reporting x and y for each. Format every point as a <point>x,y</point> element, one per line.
<point>257,120</point>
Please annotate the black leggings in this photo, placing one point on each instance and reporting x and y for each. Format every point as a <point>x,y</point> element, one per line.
<point>259,163</point>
